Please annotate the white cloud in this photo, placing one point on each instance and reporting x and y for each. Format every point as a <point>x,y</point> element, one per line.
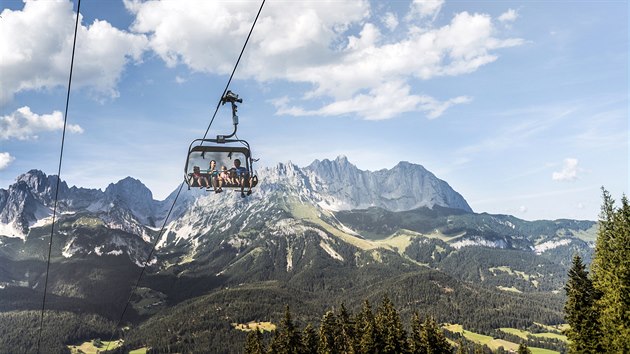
<point>36,46</point>
<point>569,171</point>
<point>209,39</point>
<point>390,21</point>
<point>311,42</point>
<point>425,8</point>
<point>180,80</point>
<point>24,124</point>
<point>522,209</point>
<point>384,102</point>
<point>508,16</point>
<point>5,160</point>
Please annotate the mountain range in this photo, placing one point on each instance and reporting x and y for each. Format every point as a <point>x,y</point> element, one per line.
<point>310,237</point>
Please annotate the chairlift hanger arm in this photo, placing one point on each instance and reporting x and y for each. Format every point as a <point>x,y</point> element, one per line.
<point>233,99</point>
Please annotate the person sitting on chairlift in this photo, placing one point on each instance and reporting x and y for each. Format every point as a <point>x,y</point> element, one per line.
<point>242,176</point>
<point>224,177</point>
<point>213,175</point>
<point>197,176</point>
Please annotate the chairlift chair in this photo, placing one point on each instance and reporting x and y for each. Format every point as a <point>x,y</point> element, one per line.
<point>224,150</point>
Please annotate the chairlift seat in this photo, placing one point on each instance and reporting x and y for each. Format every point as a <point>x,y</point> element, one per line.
<point>224,152</point>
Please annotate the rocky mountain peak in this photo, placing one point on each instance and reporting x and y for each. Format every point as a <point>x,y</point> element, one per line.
<point>404,187</point>
<point>37,182</point>
<point>129,188</point>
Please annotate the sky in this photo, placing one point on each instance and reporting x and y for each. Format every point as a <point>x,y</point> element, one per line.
<point>521,106</point>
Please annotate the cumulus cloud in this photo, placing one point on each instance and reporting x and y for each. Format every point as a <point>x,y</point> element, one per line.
<point>390,21</point>
<point>377,105</point>
<point>383,102</point>
<point>24,124</point>
<point>36,46</point>
<point>569,171</point>
<point>425,8</point>
<point>508,16</point>
<point>5,160</point>
<point>336,47</point>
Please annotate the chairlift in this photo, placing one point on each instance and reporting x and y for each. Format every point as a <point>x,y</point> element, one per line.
<point>233,163</point>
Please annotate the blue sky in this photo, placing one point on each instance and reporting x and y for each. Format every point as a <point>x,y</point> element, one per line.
<point>522,107</point>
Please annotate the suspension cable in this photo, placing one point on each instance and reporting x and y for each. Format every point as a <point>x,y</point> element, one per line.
<point>63,137</point>
<point>146,263</point>
<point>182,184</point>
<point>234,70</point>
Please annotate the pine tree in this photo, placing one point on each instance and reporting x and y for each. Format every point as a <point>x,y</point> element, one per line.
<point>328,334</point>
<point>309,340</point>
<point>622,340</point>
<point>290,340</point>
<point>366,333</point>
<point>434,338</point>
<point>390,328</point>
<point>428,337</point>
<point>611,275</point>
<point>346,335</point>
<point>254,344</point>
<point>522,349</point>
<point>579,309</point>
<point>461,347</point>
<point>275,346</point>
<point>416,345</point>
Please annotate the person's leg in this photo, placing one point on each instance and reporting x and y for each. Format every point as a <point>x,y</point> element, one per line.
<point>248,182</point>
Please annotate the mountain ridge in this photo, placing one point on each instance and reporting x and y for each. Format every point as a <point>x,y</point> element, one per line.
<point>334,185</point>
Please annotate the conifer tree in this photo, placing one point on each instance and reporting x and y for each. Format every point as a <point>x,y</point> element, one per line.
<point>428,337</point>
<point>478,349</point>
<point>309,340</point>
<point>522,349</point>
<point>366,333</point>
<point>346,335</point>
<point>579,310</point>
<point>461,347</point>
<point>622,340</point>
<point>434,338</point>
<point>290,341</point>
<point>328,334</point>
<point>275,345</point>
<point>254,344</point>
<point>390,328</point>
<point>611,275</point>
<point>416,345</point>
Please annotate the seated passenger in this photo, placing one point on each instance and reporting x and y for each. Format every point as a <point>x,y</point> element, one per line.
<point>198,177</point>
<point>224,176</point>
<point>243,178</point>
<point>213,174</point>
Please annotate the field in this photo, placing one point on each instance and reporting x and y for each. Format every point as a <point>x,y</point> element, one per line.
<point>495,343</point>
<point>262,326</point>
<point>524,334</point>
<point>89,348</point>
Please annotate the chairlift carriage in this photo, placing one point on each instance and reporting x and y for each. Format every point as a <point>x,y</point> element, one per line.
<point>228,153</point>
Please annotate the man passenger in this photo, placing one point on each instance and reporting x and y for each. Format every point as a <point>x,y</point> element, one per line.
<point>242,176</point>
